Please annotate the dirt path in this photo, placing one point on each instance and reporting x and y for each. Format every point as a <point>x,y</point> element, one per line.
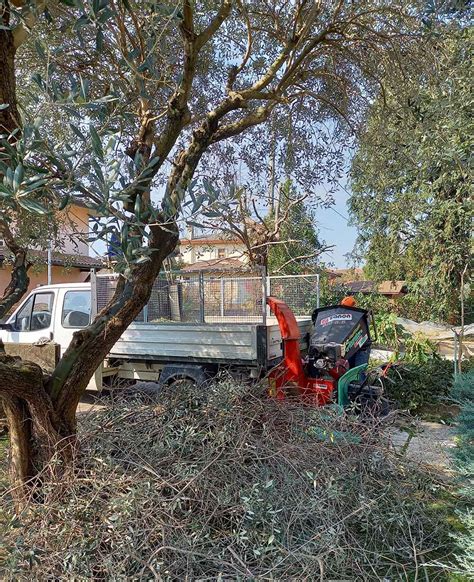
<point>427,442</point>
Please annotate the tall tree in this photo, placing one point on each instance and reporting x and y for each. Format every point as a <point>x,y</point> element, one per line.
<point>134,95</point>
<point>412,181</point>
<point>298,246</point>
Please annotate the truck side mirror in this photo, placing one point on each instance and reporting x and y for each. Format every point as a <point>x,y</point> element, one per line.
<point>7,326</point>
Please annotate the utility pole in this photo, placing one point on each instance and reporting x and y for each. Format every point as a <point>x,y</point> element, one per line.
<point>50,276</point>
<point>271,186</point>
<point>50,256</point>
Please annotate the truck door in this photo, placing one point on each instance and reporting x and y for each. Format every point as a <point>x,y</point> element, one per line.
<point>34,319</point>
<point>75,314</point>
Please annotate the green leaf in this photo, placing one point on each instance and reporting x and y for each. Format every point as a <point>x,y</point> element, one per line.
<point>85,83</point>
<point>39,48</point>
<point>18,177</point>
<point>4,191</point>
<point>138,206</point>
<point>64,202</point>
<point>8,178</point>
<point>99,40</point>
<point>32,206</point>
<point>126,3</point>
<point>96,143</point>
<point>77,131</point>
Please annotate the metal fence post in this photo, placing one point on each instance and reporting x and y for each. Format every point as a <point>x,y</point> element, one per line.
<point>93,294</point>
<point>264,296</point>
<point>202,317</point>
<point>222,295</point>
<point>317,291</point>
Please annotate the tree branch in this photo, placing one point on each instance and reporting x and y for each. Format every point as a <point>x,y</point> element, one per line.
<point>215,24</point>
<point>29,15</point>
<point>19,280</point>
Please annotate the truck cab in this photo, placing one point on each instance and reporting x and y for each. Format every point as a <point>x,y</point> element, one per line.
<point>49,313</point>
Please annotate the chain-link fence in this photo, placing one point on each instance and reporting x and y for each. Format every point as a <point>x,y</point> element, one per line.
<point>299,292</point>
<point>203,298</point>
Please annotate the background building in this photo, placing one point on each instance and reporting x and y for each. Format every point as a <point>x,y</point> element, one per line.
<point>70,263</point>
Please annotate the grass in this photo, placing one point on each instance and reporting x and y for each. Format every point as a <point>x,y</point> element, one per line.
<point>3,489</point>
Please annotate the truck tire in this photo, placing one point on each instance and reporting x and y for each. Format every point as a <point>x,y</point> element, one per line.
<point>175,374</point>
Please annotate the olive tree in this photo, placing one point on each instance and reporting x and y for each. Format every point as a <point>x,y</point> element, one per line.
<point>134,97</point>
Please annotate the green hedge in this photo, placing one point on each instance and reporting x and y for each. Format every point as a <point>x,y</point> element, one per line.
<point>463,460</point>
<point>412,385</point>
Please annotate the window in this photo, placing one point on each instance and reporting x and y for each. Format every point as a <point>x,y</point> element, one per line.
<point>36,313</point>
<point>76,309</point>
<point>23,318</point>
<point>221,253</point>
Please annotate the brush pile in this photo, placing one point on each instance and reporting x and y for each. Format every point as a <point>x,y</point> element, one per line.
<point>227,484</point>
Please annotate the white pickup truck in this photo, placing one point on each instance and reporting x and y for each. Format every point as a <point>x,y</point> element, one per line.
<point>162,352</point>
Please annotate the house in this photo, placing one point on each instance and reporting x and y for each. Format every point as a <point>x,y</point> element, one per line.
<point>353,282</point>
<point>71,263</point>
<point>341,276</point>
<point>212,252</point>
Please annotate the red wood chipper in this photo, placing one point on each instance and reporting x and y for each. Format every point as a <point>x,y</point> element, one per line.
<point>324,376</point>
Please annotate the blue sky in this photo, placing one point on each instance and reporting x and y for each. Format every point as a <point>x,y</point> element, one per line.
<point>335,230</point>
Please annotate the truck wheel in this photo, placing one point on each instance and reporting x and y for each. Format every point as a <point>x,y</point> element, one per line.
<point>180,383</point>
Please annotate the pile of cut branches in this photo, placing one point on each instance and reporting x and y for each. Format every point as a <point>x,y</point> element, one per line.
<point>225,483</point>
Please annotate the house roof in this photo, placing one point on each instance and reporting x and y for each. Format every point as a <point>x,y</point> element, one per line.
<point>59,259</point>
<point>384,288</point>
<point>209,241</point>
<point>228,264</point>
<point>353,274</point>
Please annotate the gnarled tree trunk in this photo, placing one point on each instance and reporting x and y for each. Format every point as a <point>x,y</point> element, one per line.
<point>9,122</point>
<point>41,410</point>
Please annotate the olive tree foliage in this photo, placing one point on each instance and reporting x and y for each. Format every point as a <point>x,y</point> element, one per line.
<point>132,96</point>
<point>412,182</point>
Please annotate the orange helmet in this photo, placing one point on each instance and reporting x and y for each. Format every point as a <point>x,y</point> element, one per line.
<point>349,301</point>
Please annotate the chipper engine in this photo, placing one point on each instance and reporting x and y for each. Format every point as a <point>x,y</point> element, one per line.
<point>325,375</point>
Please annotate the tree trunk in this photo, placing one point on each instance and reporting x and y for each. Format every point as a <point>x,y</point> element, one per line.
<point>33,428</point>
<point>19,280</point>
<point>90,346</point>
<point>9,117</point>
<point>41,411</point>
<point>9,122</point>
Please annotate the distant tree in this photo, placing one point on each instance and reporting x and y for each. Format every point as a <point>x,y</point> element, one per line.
<point>279,235</point>
<point>297,249</point>
<point>412,182</point>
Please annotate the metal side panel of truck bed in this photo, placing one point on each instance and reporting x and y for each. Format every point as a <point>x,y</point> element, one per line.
<point>215,343</point>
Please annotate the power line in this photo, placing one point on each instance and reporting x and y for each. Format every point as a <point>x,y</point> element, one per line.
<point>337,212</point>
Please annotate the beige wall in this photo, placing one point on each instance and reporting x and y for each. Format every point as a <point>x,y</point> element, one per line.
<point>191,252</point>
<point>39,276</point>
<point>75,227</point>
<point>74,231</point>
